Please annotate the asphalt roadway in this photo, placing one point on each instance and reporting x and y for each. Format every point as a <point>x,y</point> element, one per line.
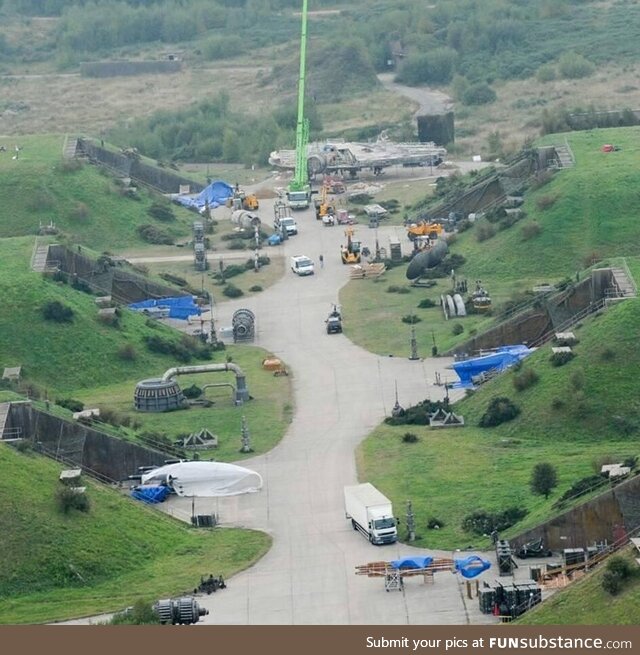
<point>341,392</point>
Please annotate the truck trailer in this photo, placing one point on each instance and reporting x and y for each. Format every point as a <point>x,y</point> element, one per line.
<point>371,513</point>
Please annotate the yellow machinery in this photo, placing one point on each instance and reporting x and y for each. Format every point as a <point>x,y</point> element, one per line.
<point>424,229</point>
<point>250,202</point>
<point>351,252</point>
<point>323,206</point>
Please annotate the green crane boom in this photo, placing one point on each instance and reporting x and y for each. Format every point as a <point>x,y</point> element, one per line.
<point>300,182</point>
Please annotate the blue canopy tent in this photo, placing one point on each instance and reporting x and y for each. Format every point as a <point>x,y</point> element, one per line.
<point>216,194</point>
<point>179,307</point>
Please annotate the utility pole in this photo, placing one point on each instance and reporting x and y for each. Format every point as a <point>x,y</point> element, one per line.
<point>414,344</point>
<point>411,522</point>
<point>245,437</point>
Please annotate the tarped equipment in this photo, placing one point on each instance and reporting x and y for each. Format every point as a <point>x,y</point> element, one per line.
<point>150,493</point>
<point>416,562</point>
<point>471,566</point>
<point>206,479</point>
<point>216,194</point>
<point>499,360</point>
<point>179,307</point>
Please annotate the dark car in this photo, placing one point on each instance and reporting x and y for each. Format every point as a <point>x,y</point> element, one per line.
<point>334,325</point>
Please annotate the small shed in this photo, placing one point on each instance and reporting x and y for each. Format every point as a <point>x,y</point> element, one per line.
<point>12,373</point>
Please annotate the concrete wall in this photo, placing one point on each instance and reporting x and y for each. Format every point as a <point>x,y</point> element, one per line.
<point>109,456</point>
<point>607,517</point>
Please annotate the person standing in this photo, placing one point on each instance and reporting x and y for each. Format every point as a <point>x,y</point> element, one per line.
<point>321,260</point>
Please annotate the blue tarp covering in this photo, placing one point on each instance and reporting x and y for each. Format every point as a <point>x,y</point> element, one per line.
<point>216,194</point>
<point>501,359</point>
<point>417,562</point>
<point>471,566</point>
<point>179,307</point>
<point>150,494</point>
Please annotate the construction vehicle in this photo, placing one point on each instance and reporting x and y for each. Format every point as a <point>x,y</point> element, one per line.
<point>371,513</point>
<point>299,190</point>
<point>334,321</point>
<point>323,206</point>
<point>351,252</point>
<point>424,229</point>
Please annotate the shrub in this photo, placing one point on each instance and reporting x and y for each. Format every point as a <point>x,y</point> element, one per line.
<point>577,379</point>
<point>236,245</point>
<point>161,211</point>
<point>546,73</point>
<point>410,437</point>
<point>544,478</point>
<point>525,379</point>
<point>561,358</point>
<point>435,523</point>
<point>485,231</point>
<point>158,344</point>
<point>531,230</point>
<point>152,234</point>
<point>620,566</point>
<point>81,285</point>
<point>581,487</point>
<point>483,522</point>
<point>624,425</point>
<point>71,404</point>
<point>56,311</point>
<point>611,583</point>
<point>127,352</point>
<point>142,613</point>
<point>111,320</point>
<point>403,290</point>
<point>68,499</point>
<point>231,291</point>
<point>546,202</point>
<point>425,303</point>
<point>416,414</point>
<point>573,66</point>
<point>194,391</point>
<point>255,288</point>
<point>478,94</point>
<point>411,319</point>
<point>500,410</point>
<point>457,329</point>
<point>393,288</point>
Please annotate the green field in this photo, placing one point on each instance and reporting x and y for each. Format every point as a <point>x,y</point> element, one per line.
<point>58,566</point>
<point>576,417</point>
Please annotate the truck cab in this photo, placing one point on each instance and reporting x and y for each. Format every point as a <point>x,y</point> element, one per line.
<point>298,199</point>
<point>371,513</point>
<point>287,223</point>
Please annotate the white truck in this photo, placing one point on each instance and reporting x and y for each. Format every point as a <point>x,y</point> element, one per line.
<point>370,512</point>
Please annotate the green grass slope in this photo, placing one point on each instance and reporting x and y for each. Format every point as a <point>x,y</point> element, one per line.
<point>85,204</point>
<point>81,360</point>
<point>586,603</point>
<point>58,566</point>
<point>593,217</point>
<point>575,417</point>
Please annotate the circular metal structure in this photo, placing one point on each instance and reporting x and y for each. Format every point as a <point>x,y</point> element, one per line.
<point>243,323</point>
<point>427,259</point>
<point>157,395</point>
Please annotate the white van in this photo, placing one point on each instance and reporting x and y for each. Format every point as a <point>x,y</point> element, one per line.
<point>287,223</point>
<point>302,265</point>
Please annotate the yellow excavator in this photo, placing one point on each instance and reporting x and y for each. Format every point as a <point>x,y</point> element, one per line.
<point>424,229</point>
<point>323,206</point>
<point>350,253</point>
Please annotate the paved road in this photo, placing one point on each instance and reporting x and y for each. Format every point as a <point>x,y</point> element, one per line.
<point>341,393</point>
<point>429,100</point>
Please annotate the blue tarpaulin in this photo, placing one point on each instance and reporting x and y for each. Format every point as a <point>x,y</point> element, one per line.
<point>417,562</point>
<point>471,566</point>
<point>150,494</point>
<point>216,194</point>
<point>179,307</point>
<point>499,360</point>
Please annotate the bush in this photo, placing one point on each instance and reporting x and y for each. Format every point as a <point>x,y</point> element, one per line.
<point>142,613</point>
<point>152,234</point>
<point>457,329</point>
<point>573,66</point>
<point>544,478</point>
<point>393,288</point>
<point>161,211</point>
<point>403,290</point>
<point>56,311</point>
<point>416,414</point>
<point>482,522</point>
<point>127,352</point>
<point>485,231</point>
<point>410,437</point>
<point>194,391</point>
<point>255,288</point>
<point>531,230</point>
<point>561,358</point>
<point>231,291</point>
<point>620,566</point>
<point>478,94</point>
<point>425,303</point>
<point>411,319</point>
<point>68,499</point>
<point>500,410</point>
<point>236,245</point>
<point>557,403</point>
<point>71,404</point>
<point>546,73</point>
<point>435,523</point>
<point>525,379</point>
<point>577,379</point>
<point>81,285</point>
<point>581,487</point>
<point>112,320</point>
<point>612,583</point>
<point>546,202</point>
<point>158,344</point>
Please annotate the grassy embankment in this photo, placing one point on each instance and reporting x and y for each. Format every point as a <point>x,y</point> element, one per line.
<point>58,566</point>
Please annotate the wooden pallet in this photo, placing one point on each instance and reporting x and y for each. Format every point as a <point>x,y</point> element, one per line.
<point>362,271</point>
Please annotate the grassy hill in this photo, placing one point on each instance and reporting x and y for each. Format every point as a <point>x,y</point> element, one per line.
<point>83,359</point>
<point>586,603</point>
<point>85,204</point>
<point>576,417</point>
<point>591,216</point>
<point>57,566</point>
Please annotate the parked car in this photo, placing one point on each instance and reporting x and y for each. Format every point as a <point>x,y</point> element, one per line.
<point>302,265</point>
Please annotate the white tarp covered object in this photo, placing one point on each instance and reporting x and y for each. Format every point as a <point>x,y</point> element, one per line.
<point>205,479</point>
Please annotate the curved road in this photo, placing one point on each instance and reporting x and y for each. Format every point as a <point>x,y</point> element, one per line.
<point>341,393</point>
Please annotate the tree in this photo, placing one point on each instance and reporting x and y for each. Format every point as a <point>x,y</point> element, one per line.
<point>543,479</point>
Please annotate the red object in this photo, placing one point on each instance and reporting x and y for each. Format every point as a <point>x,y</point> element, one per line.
<point>607,148</point>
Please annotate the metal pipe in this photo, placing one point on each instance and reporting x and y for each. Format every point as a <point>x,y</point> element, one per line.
<point>241,391</point>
